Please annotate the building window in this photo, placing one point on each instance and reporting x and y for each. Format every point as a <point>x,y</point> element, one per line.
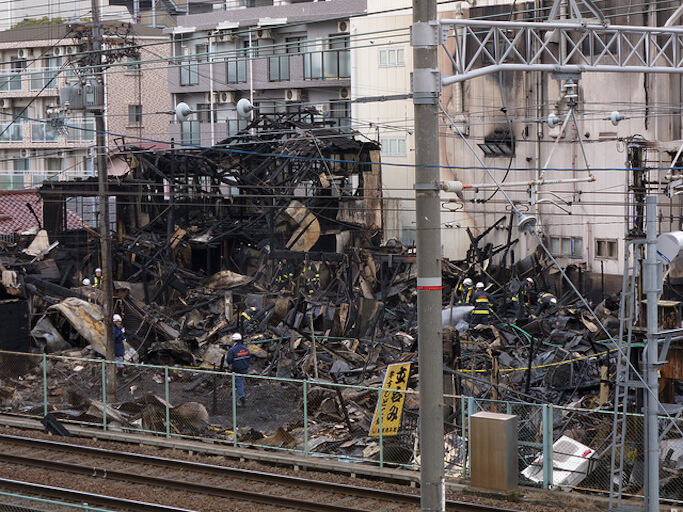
<point>408,236</point>
<point>236,125</point>
<point>81,130</point>
<point>566,247</point>
<point>89,165</point>
<point>21,167</point>
<point>11,132</point>
<point>391,57</point>
<point>204,113</point>
<point>43,132</point>
<point>13,81</point>
<point>189,72</point>
<point>334,62</point>
<point>134,115</point>
<point>608,249</point>
<point>237,66</point>
<point>47,78</point>
<point>202,52</point>
<point>132,65</point>
<point>341,112</point>
<point>295,45</point>
<point>393,146</point>
<point>189,133</point>
<point>278,68</point>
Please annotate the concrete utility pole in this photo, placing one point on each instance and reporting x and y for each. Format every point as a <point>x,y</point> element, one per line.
<point>651,285</point>
<point>101,162</point>
<point>426,92</point>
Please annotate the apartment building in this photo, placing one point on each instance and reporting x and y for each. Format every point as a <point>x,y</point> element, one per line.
<point>36,63</point>
<point>381,69</point>
<point>283,56</point>
<point>588,206</point>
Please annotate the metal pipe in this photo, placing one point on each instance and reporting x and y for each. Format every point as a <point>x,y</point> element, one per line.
<point>456,186</point>
<point>552,25</point>
<point>554,68</point>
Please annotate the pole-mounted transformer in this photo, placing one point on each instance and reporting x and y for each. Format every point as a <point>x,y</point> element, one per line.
<point>85,95</point>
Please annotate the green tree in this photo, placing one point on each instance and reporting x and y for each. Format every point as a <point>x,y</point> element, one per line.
<point>32,22</point>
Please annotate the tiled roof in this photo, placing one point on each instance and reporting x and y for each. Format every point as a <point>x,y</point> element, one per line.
<point>16,216</point>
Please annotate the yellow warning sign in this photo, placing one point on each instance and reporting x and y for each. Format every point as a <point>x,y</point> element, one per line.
<point>392,401</point>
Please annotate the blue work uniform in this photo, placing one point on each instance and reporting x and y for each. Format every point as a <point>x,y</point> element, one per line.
<point>239,358</point>
<point>119,335</point>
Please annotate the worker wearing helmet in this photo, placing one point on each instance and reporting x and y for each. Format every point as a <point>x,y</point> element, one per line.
<point>464,291</point>
<point>546,300</point>
<point>96,279</point>
<point>521,298</point>
<point>482,306</point>
<point>238,358</point>
<point>119,335</point>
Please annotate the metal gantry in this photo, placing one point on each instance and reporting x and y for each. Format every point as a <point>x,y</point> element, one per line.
<point>485,47</point>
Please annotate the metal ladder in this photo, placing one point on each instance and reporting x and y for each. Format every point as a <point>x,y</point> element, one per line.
<point>624,383</point>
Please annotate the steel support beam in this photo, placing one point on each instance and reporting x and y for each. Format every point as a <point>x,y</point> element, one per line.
<point>484,47</point>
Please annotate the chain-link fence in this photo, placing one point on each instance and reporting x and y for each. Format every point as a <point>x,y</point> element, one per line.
<point>558,447</point>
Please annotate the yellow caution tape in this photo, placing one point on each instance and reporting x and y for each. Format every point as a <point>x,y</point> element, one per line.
<point>526,368</point>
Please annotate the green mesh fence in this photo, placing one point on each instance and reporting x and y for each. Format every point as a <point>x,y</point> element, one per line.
<point>558,447</point>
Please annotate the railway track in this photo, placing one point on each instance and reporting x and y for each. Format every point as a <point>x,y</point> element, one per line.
<point>222,482</point>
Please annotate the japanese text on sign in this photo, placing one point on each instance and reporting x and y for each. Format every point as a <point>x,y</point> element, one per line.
<point>391,403</point>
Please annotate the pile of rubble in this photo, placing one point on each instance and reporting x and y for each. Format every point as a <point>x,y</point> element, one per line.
<point>277,236</point>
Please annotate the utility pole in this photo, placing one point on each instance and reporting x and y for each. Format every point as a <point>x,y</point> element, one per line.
<point>101,162</point>
<point>651,286</point>
<point>426,92</point>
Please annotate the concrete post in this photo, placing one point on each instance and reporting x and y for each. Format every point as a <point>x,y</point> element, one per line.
<point>430,351</point>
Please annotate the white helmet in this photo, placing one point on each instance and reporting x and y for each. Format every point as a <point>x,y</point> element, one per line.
<point>553,300</point>
<point>98,269</point>
<point>117,318</point>
<point>529,280</point>
<point>86,282</point>
<point>236,337</point>
<point>480,285</point>
<point>467,281</point>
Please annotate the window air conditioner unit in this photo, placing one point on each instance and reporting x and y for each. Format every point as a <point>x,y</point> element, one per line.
<point>344,93</point>
<point>25,153</point>
<point>5,103</point>
<point>72,50</point>
<point>23,53</point>
<point>293,95</point>
<point>227,97</point>
<point>264,33</point>
<point>224,36</point>
<point>343,26</point>
<point>224,97</point>
<point>58,51</point>
<point>208,98</point>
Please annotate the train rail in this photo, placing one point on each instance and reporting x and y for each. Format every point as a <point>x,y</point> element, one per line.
<point>222,482</point>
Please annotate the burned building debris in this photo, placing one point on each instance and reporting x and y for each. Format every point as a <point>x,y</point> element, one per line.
<point>277,234</point>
